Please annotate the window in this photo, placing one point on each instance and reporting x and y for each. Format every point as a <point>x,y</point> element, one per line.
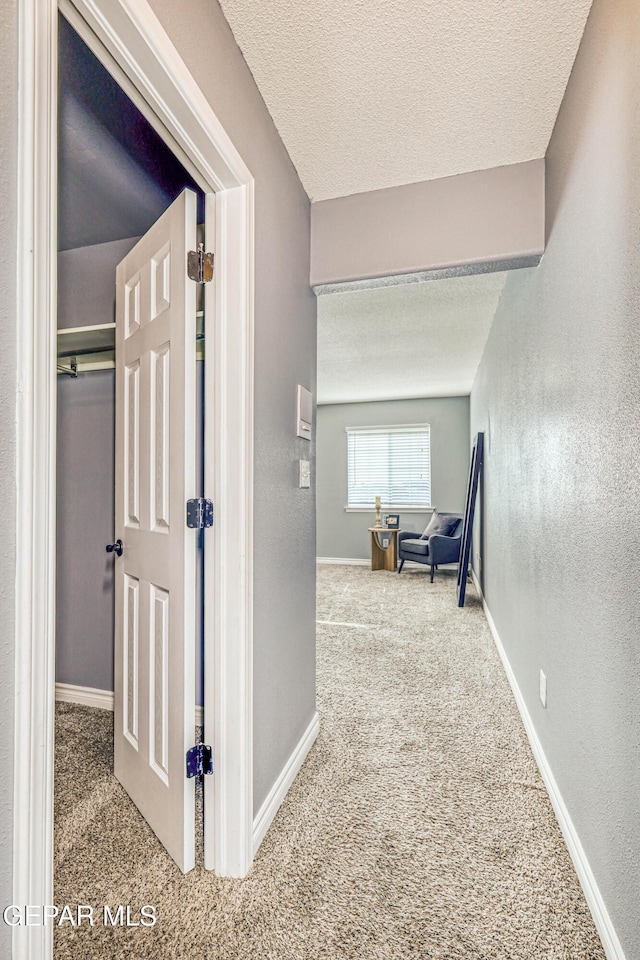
<point>393,463</point>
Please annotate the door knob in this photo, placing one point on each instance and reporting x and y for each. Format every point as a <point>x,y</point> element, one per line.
<point>115,548</point>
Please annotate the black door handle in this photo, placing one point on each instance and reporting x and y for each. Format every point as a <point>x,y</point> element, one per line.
<point>115,548</point>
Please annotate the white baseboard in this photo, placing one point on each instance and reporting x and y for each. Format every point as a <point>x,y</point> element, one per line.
<point>102,699</point>
<point>353,562</point>
<point>276,795</point>
<point>87,696</point>
<point>595,902</point>
<point>345,561</point>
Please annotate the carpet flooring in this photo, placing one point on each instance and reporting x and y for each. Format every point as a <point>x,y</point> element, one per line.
<point>418,827</point>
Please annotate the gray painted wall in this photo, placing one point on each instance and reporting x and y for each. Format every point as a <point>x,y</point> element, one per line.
<point>342,534</point>
<point>285,354</point>
<point>474,218</point>
<point>558,393</point>
<point>86,283</point>
<point>8,234</point>
<point>85,505</point>
<point>85,477</point>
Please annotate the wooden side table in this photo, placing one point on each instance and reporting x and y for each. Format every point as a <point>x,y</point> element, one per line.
<point>384,558</point>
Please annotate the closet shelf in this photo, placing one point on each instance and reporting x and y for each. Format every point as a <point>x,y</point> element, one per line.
<point>90,339</point>
<point>82,349</point>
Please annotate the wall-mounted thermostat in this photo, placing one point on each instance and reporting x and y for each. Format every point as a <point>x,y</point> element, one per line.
<point>304,413</point>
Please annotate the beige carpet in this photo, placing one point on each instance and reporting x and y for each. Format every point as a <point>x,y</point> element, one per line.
<point>418,827</point>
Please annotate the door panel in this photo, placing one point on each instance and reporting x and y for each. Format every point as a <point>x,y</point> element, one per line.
<point>155,576</point>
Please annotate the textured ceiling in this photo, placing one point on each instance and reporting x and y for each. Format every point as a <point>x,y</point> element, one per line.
<point>418,340</point>
<point>370,93</point>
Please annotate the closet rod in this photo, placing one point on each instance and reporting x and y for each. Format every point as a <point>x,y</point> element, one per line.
<point>71,370</point>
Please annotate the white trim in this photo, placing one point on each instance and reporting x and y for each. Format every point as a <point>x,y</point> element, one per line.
<point>357,562</point>
<point>344,561</point>
<point>134,37</point>
<point>228,571</point>
<point>595,902</point>
<point>100,699</point>
<point>86,33</point>
<point>278,792</point>
<point>85,696</point>
<point>131,33</point>
<point>35,470</point>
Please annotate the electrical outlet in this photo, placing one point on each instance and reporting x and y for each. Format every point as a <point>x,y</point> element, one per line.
<point>543,688</point>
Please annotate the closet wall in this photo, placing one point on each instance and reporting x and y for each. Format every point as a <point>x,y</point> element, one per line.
<point>85,468</point>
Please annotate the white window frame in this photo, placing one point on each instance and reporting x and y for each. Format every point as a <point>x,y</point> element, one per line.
<point>390,428</point>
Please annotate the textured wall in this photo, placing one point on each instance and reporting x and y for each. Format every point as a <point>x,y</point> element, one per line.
<point>8,177</point>
<point>285,354</point>
<point>343,534</point>
<point>558,392</point>
<point>476,218</point>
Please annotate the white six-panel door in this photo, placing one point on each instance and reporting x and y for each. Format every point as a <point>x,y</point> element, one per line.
<point>155,576</point>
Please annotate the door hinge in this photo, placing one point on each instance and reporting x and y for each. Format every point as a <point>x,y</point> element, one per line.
<point>199,760</point>
<point>199,513</point>
<point>200,265</point>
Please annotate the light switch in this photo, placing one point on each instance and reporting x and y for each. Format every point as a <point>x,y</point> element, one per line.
<point>305,473</point>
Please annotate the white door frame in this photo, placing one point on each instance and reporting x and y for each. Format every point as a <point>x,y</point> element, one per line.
<point>132,35</point>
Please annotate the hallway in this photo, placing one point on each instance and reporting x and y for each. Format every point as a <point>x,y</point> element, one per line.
<point>418,826</point>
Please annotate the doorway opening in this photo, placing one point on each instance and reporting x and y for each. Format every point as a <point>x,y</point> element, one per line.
<point>116,178</point>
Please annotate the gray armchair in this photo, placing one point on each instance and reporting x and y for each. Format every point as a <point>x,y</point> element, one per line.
<point>440,542</point>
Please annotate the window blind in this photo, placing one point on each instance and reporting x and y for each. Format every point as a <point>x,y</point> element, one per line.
<point>393,463</point>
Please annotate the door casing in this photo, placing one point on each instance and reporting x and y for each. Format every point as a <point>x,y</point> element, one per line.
<point>129,39</point>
